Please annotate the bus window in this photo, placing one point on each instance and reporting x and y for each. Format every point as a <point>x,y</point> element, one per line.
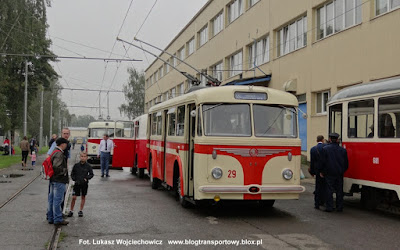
<point>180,126</point>
<point>361,119</point>
<point>99,132</point>
<point>274,121</point>
<point>389,117</point>
<point>159,124</point>
<point>154,124</point>
<point>226,120</point>
<point>171,123</point>
<point>335,119</point>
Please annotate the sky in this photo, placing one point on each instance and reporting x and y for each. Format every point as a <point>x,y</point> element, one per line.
<point>88,28</point>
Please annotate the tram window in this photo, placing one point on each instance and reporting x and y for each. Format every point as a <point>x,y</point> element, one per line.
<point>180,126</point>
<point>172,121</point>
<point>199,130</point>
<point>389,117</point>
<point>227,120</point>
<point>153,124</point>
<point>361,119</point>
<point>335,119</point>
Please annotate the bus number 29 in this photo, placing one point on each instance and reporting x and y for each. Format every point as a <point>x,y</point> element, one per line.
<point>231,173</point>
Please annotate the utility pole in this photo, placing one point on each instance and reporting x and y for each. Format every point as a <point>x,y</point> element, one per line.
<point>51,116</point>
<point>108,106</point>
<point>59,120</point>
<point>26,98</point>
<point>41,121</point>
<point>100,106</point>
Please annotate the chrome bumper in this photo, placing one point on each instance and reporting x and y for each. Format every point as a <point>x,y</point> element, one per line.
<point>252,189</point>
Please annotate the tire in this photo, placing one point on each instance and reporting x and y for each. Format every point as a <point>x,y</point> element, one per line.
<point>266,203</point>
<point>369,198</point>
<point>141,173</point>
<point>135,168</point>
<point>184,203</point>
<point>153,181</point>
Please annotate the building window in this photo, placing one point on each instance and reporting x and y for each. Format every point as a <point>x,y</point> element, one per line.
<point>259,52</point>
<point>181,53</point>
<point>383,6</point>
<point>217,71</point>
<point>190,46</point>
<point>174,60</point>
<point>218,23</point>
<point>292,36</point>
<point>173,93</point>
<point>161,72</point>
<point>180,90</point>
<point>337,15</point>
<point>156,76</point>
<point>322,99</point>
<point>203,36</point>
<point>252,2</point>
<point>236,64</point>
<point>235,10</point>
<point>167,67</point>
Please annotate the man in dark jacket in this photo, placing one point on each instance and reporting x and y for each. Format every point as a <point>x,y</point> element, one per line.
<point>315,170</point>
<point>58,184</point>
<point>81,174</point>
<point>335,164</point>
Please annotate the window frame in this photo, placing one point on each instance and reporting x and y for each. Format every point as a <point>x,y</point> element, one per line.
<point>281,46</point>
<point>255,46</point>
<point>203,33</point>
<point>218,19</point>
<point>238,13</point>
<point>323,102</point>
<point>234,71</point>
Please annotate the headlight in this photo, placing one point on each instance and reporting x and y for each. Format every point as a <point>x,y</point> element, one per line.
<point>287,174</point>
<point>216,173</point>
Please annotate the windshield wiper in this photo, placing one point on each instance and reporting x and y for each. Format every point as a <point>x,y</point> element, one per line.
<point>216,105</point>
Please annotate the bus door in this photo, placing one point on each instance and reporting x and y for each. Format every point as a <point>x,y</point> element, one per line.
<point>164,139</point>
<point>191,136</point>
<point>124,144</point>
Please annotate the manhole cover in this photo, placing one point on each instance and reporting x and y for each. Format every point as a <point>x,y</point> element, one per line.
<point>15,175</point>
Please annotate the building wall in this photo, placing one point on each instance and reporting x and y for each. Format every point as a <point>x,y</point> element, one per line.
<point>361,53</point>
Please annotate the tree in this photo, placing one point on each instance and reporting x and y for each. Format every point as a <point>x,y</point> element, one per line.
<point>134,94</point>
<point>81,121</point>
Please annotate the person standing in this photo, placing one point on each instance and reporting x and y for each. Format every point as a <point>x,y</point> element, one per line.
<point>334,165</point>
<point>33,158</point>
<point>104,152</point>
<point>24,145</point>
<point>81,173</point>
<point>53,139</point>
<point>58,184</point>
<point>315,170</point>
<point>32,144</point>
<point>7,147</point>
<point>65,133</point>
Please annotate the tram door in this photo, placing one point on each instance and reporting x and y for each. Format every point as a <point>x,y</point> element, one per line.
<point>191,136</point>
<point>164,162</point>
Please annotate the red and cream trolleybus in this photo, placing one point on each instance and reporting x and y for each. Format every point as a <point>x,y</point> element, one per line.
<point>141,149</point>
<point>226,143</point>
<point>122,134</point>
<point>367,116</point>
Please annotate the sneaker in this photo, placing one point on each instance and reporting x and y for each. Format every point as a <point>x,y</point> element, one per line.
<point>80,214</point>
<point>70,214</point>
<point>61,223</point>
<point>107,176</point>
<point>50,222</point>
<point>102,175</point>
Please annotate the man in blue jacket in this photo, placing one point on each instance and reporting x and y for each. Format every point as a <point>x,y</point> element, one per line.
<point>315,170</point>
<point>335,163</point>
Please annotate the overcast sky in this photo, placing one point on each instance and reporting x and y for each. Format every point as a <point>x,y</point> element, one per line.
<point>96,23</point>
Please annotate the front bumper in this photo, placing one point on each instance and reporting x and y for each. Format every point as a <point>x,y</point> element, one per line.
<point>252,189</point>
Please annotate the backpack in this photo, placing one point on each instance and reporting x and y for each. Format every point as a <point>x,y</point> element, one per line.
<point>47,167</point>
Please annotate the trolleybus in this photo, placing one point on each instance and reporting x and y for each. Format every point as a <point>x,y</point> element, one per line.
<point>367,116</point>
<point>226,143</point>
<point>140,148</point>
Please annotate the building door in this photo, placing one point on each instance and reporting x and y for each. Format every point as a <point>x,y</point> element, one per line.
<point>303,126</point>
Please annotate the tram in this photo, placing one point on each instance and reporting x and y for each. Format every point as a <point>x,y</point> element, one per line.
<point>367,116</point>
<point>226,143</point>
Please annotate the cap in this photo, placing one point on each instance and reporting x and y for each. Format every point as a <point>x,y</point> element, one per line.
<point>334,135</point>
<point>61,140</point>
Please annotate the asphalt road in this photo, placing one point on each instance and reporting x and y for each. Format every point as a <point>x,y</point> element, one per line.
<point>124,208</point>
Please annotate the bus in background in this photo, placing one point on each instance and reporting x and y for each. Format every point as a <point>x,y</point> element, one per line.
<point>226,143</point>
<point>367,118</point>
<point>140,151</point>
<point>121,132</point>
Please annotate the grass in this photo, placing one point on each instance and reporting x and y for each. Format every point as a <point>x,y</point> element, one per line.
<point>62,236</point>
<point>7,161</point>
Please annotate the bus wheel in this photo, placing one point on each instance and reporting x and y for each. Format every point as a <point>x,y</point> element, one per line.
<point>369,198</point>
<point>134,169</point>
<point>184,203</point>
<point>266,203</point>
<point>153,181</point>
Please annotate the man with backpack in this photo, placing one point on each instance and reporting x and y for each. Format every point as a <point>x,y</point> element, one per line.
<point>58,182</point>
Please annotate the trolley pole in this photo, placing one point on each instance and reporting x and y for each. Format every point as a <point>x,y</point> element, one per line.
<point>41,122</point>
<point>26,98</point>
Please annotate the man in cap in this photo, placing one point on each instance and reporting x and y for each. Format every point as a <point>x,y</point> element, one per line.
<point>315,169</point>
<point>58,184</point>
<point>335,164</point>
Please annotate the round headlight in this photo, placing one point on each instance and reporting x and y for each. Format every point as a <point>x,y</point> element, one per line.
<point>287,174</point>
<point>216,173</point>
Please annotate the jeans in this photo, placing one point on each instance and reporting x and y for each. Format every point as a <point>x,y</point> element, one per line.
<point>104,161</point>
<point>56,197</point>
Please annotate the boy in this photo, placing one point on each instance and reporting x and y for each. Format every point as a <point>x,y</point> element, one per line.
<point>81,173</point>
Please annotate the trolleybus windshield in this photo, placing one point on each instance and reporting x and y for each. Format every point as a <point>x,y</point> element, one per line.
<point>99,132</point>
<point>274,121</point>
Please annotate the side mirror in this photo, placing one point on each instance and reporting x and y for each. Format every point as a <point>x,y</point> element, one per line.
<point>304,115</point>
